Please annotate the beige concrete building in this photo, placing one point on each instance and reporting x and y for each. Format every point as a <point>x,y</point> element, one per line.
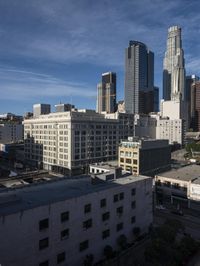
<point>144,156</point>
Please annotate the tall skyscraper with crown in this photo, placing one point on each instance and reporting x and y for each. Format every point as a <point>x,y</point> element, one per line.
<point>174,66</point>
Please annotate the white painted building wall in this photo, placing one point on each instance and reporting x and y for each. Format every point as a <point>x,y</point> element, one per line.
<point>20,230</point>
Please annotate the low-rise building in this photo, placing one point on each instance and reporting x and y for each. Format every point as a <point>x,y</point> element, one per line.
<point>144,156</point>
<point>180,187</point>
<point>66,221</point>
<point>106,170</point>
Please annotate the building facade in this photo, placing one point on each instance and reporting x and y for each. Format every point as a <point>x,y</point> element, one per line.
<point>73,220</point>
<point>174,66</point>
<point>11,132</point>
<point>139,78</point>
<point>106,93</point>
<point>156,99</point>
<point>144,156</point>
<point>158,127</point>
<point>190,97</point>
<point>67,141</point>
<point>41,109</point>
<point>180,187</point>
<point>125,124</point>
<point>195,106</point>
<point>64,107</point>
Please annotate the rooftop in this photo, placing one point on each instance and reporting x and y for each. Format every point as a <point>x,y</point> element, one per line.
<point>186,173</point>
<point>37,195</point>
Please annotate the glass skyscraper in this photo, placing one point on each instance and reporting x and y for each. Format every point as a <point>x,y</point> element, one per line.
<point>106,93</point>
<point>139,78</point>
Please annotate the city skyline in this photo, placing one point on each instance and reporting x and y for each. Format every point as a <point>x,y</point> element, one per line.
<point>54,52</point>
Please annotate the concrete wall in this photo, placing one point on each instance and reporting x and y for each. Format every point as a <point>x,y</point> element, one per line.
<point>20,231</point>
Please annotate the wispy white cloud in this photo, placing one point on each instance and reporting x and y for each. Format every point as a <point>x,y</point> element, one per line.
<point>18,84</point>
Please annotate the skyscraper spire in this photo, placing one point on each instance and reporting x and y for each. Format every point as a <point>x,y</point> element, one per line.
<point>174,66</point>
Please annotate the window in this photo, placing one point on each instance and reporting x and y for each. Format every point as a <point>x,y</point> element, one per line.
<point>83,245</point>
<point>64,234</point>
<point>158,183</point>
<point>44,224</point>
<point>133,219</point>
<point>64,216</point>
<point>128,161</point>
<point>115,198</point>
<point>133,204</point>
<point>44,243</point>
<point>167,184</point>
<point>119,227</point>
<point>103,203</point>
<point>87,208</point>
<point>119,210</point>
<point>60,257</point>
<point>175,185</point>
<point>118,197</point>
<point>133,191</point>
<point>105,216</point>
<point>121,196</point>
<point>44,263</point>
<point>87,224</point>
<point>105,234</point>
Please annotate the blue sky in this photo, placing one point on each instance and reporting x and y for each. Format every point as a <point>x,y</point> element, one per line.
<point>52,51</point>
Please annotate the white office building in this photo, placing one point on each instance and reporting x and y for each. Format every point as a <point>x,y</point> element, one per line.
<point>67,141</point>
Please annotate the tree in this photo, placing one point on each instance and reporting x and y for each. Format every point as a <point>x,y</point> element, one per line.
<point>108,252</point>
<point>122,241</point>
<point>136,232</point>
<point>188,246</point>
<point>177,225</point>
<point>88,260</point>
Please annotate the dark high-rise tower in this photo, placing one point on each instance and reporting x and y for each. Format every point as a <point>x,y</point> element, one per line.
<point>191,98</point>
<point>139,78</point>
<point>106,93</point>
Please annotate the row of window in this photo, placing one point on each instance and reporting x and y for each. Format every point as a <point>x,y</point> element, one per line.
<point>44,243</point>
<point>44,224</point>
